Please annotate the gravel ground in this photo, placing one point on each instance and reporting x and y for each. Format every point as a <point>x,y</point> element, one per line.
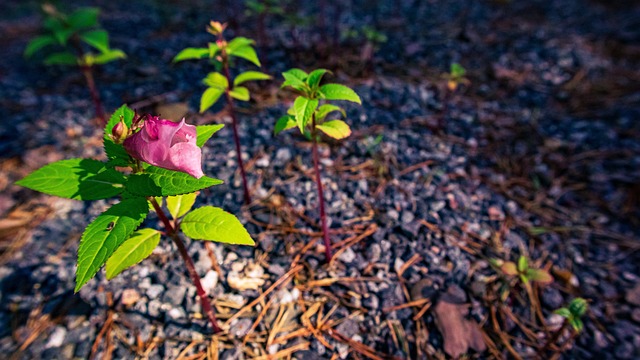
<point>543,142</point>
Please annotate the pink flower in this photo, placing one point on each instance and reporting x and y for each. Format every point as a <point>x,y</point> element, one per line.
<point>168,145</point>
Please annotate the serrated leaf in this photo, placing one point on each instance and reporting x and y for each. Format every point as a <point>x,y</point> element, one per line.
<point>326,109</point>
<point>62,35</point>
<point>336,129</point>
<point>180,204</point>
<point>216,80</point>
<point>284,123</point>
<point>339,92</point>
<point>79,179</point>
<point>240,93</point>
<point>123,113</point>
<point>204,133</point>
<point>135,249</point>
<point>116,154</point>
<point>578,307</point>
<point>105,234</point>
<point>577,324</point>
<point>38,43</point>
<point>304,110</point>
<point>250,76</point>
<point>61,58</point>
<point>247,53</point>
<point>109,56</point>
<point>84,18</point>
<point>294,78</point>
<point>238,42</point>
<point>210,97</point>
<point>215,224</point>
<point>156,181</point>
<point>99,39</point>
<point>192,54</point>
<point>564,312</point>
<point>314,78</point>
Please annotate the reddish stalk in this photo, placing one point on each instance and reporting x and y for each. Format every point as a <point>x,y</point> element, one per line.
<point>95,95</point>
<point>171,231</point>
<point>316,168</point>
<point>234,122</point>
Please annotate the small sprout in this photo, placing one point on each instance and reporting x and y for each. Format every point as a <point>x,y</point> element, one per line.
<point>456,77</point>
<point>523,271</point>
<point>574,313</point>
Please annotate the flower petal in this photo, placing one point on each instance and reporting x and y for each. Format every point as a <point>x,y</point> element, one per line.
<point>187,157</point>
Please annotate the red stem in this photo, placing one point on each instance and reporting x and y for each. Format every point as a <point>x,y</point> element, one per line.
<point>171,231</point>
<point>316,167</point>
<point>95,95</point>
<point>234,125</point>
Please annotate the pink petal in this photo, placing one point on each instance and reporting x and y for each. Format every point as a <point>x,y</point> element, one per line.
<point>187,157</point>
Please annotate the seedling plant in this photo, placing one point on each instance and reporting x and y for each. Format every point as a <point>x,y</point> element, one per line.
<point>220,55</point>
<point>152,164</point>
<point>66,39</point>
<point>309,114</point>
<point>454,78</point>
<point>572,315</point>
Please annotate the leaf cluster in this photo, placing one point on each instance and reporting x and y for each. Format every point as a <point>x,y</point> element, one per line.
<point>219,54</point>
<point>67,33</point>
<point>307,112</point>
<point>113,238</point>
<point>574,313</point>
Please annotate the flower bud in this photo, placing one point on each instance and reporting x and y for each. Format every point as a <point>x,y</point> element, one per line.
<point>216,28</point>
<point>120,132</point>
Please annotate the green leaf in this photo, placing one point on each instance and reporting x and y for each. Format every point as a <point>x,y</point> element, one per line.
<point>116,153</point>
<point>62,35</point>
<point>99,39</point>
<point>109,56</point>
<point>336,129</point>
<point>123,113</point>
<point>284,123</point>
<point>105,234</point>
<point>209,97</point>
<point>215,224</point>
<point>80,179</point>
<point>564,312</point>
<point>326,109</point>
<point>457,71</point>
<point>204,133</point>
<point>192,54</point>
<point>577,324</point>
<point>38,43</point>
<point>135,249</point>
<point>156,181</point>
<point>294,78</point>
<point>240,93</point>
<point>314,78</point>
<point>247,53</point>
<point>339,92</point>
<point>578,307</point>
<point>213,50</point>
<point>84,18</point>
<point>304,110</point>
<point>540,276</point>
<point>523,264</point>
<point>250,76</point>
<point>216,80</point>
<point>180,204</point>
<point>238,42</point>
<point>61,58</point>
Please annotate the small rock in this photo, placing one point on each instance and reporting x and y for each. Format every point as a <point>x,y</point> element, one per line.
<point>347,256</point>
<point>635,315</point>
<point>283,155</point>
<point>407,217</point>
<point>129,297</point>
<point>176,313</point>
<point>262,162</point>
<point>57,338</point>
<point>154,291</point>
<point>241,327</point>
<point>209,281</point>
<point>633,296</point>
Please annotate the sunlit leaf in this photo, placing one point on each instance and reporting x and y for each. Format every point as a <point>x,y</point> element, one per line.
<point>135,249</point>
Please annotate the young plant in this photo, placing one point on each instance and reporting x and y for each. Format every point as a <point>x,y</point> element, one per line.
<point>310,117</point>
<point>67,37</point>
<point>572,315</point>
<point>455,78</point>
<point>150,161</point>
<point>220,54</point>
<point>525,273</point>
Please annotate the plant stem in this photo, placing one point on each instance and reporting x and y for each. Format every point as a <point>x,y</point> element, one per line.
<point>234,124</point>
<point>316,167</point>
<point>95,95</point>
<point>171,231</point>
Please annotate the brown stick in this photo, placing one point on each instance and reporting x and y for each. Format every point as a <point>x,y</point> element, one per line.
<point>171,231</point>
